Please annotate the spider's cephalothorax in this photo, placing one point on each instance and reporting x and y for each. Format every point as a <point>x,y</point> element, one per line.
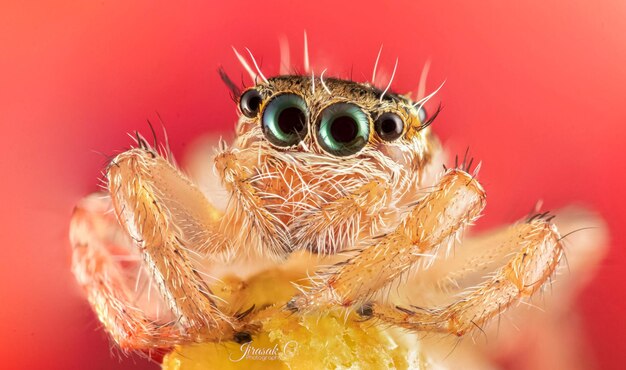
<point>326,162</point>
<point>318,167</point>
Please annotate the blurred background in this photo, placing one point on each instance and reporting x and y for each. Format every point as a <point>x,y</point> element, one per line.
<point>536,89</point>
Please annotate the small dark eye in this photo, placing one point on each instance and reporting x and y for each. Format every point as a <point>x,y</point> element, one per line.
<point>284,120</point>
<point>343,129</point>
<point>389,126</point>
<point>250,102</point>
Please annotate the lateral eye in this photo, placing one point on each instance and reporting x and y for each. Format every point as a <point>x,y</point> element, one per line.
<point>343,129</point>
<point>421,113</point>
<point>389,126</point>
<point>284,120</point>
<point>250,103</point>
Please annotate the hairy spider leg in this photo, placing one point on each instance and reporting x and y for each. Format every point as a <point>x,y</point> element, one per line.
<point>526,272</point>
<point>455,202</point>
<point>172,224</point>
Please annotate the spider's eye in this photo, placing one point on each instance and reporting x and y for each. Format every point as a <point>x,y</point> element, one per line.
<point>421,113</point>
<point>389,126</point>
<point>250,102</point>
<point>285,119</point>
<point>343,129</point>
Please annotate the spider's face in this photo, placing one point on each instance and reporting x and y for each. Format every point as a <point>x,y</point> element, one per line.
<point>334,118</point>
<point>306,142</point>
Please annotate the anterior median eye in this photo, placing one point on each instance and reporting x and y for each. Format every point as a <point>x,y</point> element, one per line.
<point>285,120</point>
<point>343,129</point>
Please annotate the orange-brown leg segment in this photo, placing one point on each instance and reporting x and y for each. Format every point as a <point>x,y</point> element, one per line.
<point>96,243</point>
<point>154,202</point>
<point>523,275</point>
<point>455,202</point>
<point>170,223</point>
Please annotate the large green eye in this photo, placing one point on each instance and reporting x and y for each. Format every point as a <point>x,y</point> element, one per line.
<point>344,129</point>
<point>285,120</point>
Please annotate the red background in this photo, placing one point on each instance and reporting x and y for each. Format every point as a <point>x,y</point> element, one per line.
<point>537,90</point>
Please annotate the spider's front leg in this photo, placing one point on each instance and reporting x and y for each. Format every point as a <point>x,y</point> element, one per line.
<point>455,202</point>
<point>169,221</point>
<point>523,275</point>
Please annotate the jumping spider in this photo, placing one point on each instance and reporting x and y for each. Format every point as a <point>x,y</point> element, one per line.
<point>325,167</point>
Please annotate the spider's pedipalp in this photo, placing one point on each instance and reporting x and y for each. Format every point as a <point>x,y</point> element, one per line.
<point>247,218</point>
<point>337,225</point>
